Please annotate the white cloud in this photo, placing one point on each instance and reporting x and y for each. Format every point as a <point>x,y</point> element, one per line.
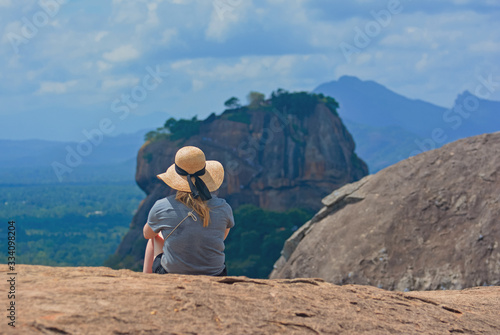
<point>485,47</point>
<point>103,66</point>
<point>363,58</point>
<point>112,84</point>
<point>168,35</point>
<point>152,19</point>
<point>129,11</point>
<point>53,87</point>
<point>99,36</point>
<point>226,15</point>
<point>11,28</point>
<point>410,37</point>
<point>422,63</point>
<point>181,64</point>
<point>243,68</point>
<point>197,85</point>
<point>122,54</point>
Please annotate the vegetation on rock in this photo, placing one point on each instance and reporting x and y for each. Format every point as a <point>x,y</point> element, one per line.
<point>300,104</point>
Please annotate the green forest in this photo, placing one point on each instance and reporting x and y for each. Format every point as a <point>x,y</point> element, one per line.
<point>255,243</point>
<point>68,224</point>
<point>82,224</point>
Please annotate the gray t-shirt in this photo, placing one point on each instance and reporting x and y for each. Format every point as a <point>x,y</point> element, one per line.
<point>192,248</point>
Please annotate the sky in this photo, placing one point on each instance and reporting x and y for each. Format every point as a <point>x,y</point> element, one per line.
<point>68,68</point>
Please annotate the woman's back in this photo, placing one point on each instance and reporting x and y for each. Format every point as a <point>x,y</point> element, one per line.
<point>194,222</point>
<point>192,248</point>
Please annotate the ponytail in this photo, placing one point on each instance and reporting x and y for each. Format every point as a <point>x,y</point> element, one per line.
<point>198,205</point>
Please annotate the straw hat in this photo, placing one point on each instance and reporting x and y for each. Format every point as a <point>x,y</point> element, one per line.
<point>192,159</point>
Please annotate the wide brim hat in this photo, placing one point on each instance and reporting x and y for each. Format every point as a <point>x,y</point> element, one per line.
<point>192,159</point>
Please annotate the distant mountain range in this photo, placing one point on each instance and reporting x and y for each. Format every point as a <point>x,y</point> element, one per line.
<point>388,127</point>
<point>106,159</point>
<point>109,150</point>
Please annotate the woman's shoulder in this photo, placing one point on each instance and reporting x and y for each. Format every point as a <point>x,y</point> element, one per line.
<point>217,202</point>
<point>168,202</point>
<point>220,204</point>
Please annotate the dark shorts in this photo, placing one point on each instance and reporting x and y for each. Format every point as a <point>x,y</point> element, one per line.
<point>157,268</point>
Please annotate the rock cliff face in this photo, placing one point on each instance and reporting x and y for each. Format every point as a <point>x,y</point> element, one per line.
<point>272,159</point>
<point>429,222</point>
<point>84,300</point>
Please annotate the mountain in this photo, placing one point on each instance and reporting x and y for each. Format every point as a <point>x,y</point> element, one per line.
<point>287,152</point>
<point>426,223</point>
<point>35,161</point>
<point>388,127</point>
<point>103,150</point>
<point>68,125</point>
<point>471,116</point>
<point>98,300</point>
<point>382,146</point>
<point>369,103</point>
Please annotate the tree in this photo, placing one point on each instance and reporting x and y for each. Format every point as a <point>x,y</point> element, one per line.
<point>255,98</point>
<point>279,92</point>
<point>232,103</point>
<point>170,123</point>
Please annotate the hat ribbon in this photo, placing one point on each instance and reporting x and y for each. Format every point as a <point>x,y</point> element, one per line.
<point>199,189</point>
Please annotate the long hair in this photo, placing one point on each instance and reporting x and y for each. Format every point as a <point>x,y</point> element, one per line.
<point>198,205</point>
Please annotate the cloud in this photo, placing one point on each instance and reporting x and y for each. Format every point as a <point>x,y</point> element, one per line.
<point>51,87</point>
<point>129,11</point>
<point>300,72</point>
<point>237,69</point>
<point>219,48</point>
<point>422,63</point>
<point>100,35</point>
<point>485,47</point>
<point>225,15</point>
<point>198,85</point>
<point>122,54</point>
<point>103,66</point>
<point>152,19</point>
<point>113,84</point>
<point>168,35</point>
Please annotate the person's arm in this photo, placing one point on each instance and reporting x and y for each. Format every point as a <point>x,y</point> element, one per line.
<point>230,220</point>
<point>148,232</point>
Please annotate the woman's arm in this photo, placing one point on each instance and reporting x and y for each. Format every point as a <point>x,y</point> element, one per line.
<point>148,232</point>
<point>227,232</point>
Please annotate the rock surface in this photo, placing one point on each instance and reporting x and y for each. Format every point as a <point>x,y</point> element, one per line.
<point>429,222</point>
<point>275,161</point>
<point>85,300</point>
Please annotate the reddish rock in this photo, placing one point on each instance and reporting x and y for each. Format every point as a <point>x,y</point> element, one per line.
<point>275,161</point>
<point>86,300</point>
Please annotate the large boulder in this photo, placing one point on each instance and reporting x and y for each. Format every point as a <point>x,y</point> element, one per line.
<point>429,222</point>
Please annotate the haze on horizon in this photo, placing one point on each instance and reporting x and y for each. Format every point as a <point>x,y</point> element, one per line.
<point>67,65</point>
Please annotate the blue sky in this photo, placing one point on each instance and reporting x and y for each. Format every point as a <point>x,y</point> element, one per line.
<point>65,66</point>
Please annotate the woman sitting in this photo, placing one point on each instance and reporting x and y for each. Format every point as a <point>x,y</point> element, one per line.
<point>193,223</point>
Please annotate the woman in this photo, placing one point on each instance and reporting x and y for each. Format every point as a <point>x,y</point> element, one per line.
<point>194,222</point>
